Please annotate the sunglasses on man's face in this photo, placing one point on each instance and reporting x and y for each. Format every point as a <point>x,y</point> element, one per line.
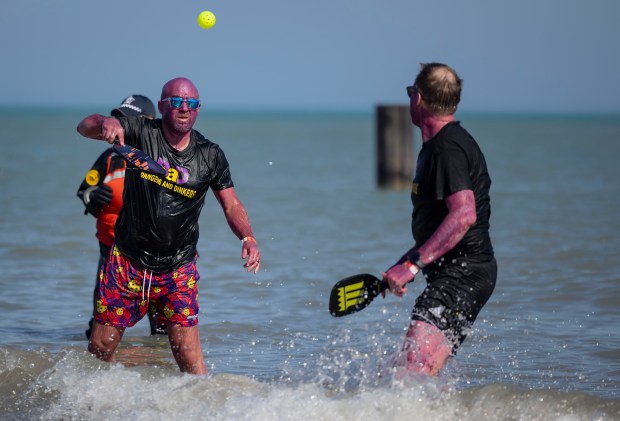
<point>176,102</point>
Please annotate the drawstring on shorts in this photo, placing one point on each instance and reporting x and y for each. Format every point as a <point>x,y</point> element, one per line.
<point>148,294</point>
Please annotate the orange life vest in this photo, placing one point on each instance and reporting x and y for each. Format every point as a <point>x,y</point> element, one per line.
<point>106,217</point>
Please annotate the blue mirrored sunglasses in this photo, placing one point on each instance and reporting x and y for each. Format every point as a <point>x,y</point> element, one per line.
<point>176,102</point>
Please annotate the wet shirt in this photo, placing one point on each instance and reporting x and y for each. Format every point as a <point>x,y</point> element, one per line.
<point>448,163</point>
<point>158,223</point>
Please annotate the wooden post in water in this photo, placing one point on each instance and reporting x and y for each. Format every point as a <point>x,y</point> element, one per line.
<point>394,147</point>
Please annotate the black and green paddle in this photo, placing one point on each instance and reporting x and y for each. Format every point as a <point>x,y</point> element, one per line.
<point>354,293</point>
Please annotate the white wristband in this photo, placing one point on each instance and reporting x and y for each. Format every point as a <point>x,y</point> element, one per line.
<point>413,268</point>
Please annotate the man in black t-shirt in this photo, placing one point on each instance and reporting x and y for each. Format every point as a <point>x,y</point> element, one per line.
<point>450,226</point>
<point>154,255</point>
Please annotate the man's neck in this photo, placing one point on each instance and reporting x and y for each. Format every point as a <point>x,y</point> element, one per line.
<point>177,141</point>
<point>433,125</point>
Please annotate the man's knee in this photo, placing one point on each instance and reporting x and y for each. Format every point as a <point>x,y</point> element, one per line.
<point>427,348</point>
<point>103,341</point>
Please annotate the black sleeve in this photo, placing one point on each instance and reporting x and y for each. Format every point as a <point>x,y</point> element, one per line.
<point>94,178</point>
<point>132,126</point>
<point>222,179</point>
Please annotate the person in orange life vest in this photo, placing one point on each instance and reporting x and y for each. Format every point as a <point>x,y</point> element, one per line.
<point>102,193</point>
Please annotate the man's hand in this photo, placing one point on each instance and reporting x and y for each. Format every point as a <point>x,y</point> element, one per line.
<point>249,250</point>
<point>97,126</point>
<point>397,277</point>
<point>111,129</point>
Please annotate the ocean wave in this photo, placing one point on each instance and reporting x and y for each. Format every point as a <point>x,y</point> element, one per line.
<point>74,385</point>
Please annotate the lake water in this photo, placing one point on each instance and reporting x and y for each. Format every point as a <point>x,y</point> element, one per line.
<point>545,347</point>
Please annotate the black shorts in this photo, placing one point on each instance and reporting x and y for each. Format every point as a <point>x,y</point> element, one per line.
<point>454,295</point>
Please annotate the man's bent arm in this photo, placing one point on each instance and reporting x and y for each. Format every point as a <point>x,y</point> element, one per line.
<point>97,126</point>
<point>235,212</point>
<point>91,126</point>
<point>461,216</point>
<point>239,223</point>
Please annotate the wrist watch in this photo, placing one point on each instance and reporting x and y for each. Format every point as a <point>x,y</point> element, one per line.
<point>413,267</point>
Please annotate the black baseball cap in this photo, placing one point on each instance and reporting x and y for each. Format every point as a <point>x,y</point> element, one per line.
<point>135,105</point>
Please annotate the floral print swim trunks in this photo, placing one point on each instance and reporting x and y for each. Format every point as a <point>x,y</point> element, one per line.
<point>126,291</point>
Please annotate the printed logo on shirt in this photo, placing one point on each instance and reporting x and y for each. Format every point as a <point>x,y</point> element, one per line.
<point>183,191</point>
<point>414,188</point>
<point>177,175</point>
<point>174,180</point>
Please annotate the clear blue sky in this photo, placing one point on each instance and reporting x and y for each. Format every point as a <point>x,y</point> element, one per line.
<point>521,56</point>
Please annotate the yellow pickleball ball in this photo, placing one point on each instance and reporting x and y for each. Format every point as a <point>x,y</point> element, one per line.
<point>206,19</point>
